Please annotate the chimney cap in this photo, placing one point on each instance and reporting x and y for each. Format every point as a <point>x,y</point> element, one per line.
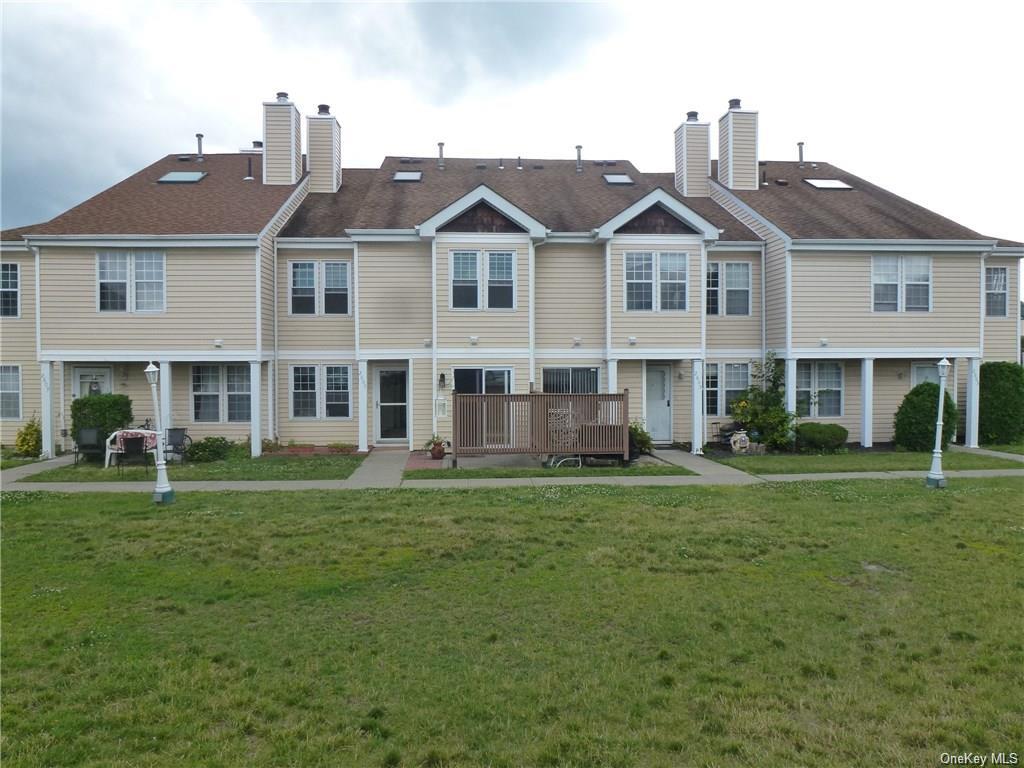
<point>691,116</point>
<point>734,103</point>
<point>199,135</point>
<point>323,109</point>
<point>257,144</point>
<point>282,95</point>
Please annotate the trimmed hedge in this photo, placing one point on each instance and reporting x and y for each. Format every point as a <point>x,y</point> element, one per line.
<point>107,413</point>
<point>915,418</point>
<point>821,437</point>
<point>1001,403</point>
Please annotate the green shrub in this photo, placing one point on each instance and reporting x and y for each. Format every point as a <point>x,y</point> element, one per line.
<point>640,437</point>
<point>761,409</point>
<point>812,436</point>
<point>107,413</point>
<point>29,440</point>
<point>915,418</point>
<point>212,448</point>
<point>1001,403</point>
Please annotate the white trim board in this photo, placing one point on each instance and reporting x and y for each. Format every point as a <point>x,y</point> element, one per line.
<point>691,218</point>
<point>146,241</point>
<point>886,353</point>
<point>482,194</point>
<point>145,356</point>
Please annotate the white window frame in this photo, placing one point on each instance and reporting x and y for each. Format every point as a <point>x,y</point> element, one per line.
<point>717,389</point>
<point>486,282</point>
<point>901,285</point>
<point>483,278</point>
<point>130,297</point>
<point>721,389</point>
<point>812,399</point>
<point>570,368</point>
<point>320,287</point>
<point>19,393</point>
<point>715,291</point>
<point>484,369</point>
<point>656,282</point>
<point>451,280</point>
<point>17,290</point>
<point>222,393</point>
<point>722,289</point>
<point>1005,292</point>
<point>320,389</point>
<point>915,376</point>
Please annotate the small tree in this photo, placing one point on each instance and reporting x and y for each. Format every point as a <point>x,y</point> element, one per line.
<point>107,413</point>
<point>1001,403</point>
<point>915,418</point>
<point>761,409</point>
<point>29,440</point>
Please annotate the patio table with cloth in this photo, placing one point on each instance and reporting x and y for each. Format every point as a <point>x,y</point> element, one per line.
<point>115,443</point>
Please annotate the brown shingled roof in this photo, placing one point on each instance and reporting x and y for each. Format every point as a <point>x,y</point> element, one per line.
<point>221,203</point>
<point>327,214</point>
<point>15,233</point>
<point>865,212</point>
<point>551,191</point>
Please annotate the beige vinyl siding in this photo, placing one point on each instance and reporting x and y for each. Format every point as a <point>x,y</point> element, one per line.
<point>317,431</point>
<point>421,391</point>
<point>892,382</point>
<point>1001,332</point>
<point>744,150</point>
<point>394,295</point>
<point>630,376</point>
<point>736,331</point>
<point>209,294</point>
<point>520,368</point>
<point>323,152</point>
<point>494,327</point>
<point>569,281</point>
<point>282,155</point>
<point>775,271</point>
<point>723,150</point>
<point>313,332</point>
<point>832,299</point>
<point>852,401</point>
<point>18,344</point>
<point>670,330</point>
<point>267,268</point>
<point>693,151</point>
<point>682,400</point>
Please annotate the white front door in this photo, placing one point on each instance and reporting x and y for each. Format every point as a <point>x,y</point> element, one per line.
<point>659,402</point>
<point>90,381</point>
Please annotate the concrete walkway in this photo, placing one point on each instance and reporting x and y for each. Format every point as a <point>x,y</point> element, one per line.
<point>381,469</point>
<point>15,474</point>
<point>987,452</point>
<point>711,472</point>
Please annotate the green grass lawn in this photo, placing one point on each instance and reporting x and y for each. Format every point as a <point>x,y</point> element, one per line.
<point>10,461</point>
<point>1006,447</point>
<point>474,473</point>
<point>336,466</point>
<point>824,624</point>
<point>863,461</point>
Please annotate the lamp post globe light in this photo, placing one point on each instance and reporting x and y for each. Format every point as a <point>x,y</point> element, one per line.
<point>935,477</point>
<point>163,493</point>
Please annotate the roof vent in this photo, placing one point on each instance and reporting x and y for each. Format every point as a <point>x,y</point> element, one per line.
<point>184,158</point>
<point>691,117</point>
<point>199,152</point>
<point>734,103</point>
<point>248,175</point>
<point>440,155</point>
<point>800,150</point>
<point>782,182</point>
<point>256,144</point>
<point>519,163</point>
<point>481,166</point>
<point>579,158</point>
<point>282,96</point>
<point>501,164</point>
<point>325,109</point>
<point>405,160</point>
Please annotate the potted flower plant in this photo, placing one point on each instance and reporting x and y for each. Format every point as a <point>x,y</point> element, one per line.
<point>436,447</point>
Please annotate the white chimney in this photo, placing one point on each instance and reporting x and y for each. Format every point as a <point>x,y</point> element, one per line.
<point>324,154</point>
<point>693,157</point>
<point>282,141</point>
<point>737,147</point>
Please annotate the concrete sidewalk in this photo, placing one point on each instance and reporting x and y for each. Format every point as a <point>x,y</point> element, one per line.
<point>15,474</point>
<point>988,452</point>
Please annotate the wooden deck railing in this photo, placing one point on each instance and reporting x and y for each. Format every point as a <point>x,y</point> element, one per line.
<point>540,423</point>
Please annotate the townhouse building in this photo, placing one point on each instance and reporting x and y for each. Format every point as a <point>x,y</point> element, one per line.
<point>287,297</point>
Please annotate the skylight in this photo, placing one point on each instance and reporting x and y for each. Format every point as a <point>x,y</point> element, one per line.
<point>407,176</point>
<point>181,177</point>
<point>828,184</point>
<point>618,178</point>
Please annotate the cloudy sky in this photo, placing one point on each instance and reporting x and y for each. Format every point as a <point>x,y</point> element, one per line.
<point>926,104</point>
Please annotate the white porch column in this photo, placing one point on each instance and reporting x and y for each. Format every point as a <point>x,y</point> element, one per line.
<point>363,444</point>
<point>973,386</point>
<point>271,398</point>
<point>255,411</point>
<point>867,401</point>
<point>46,398</point>
<point>791,385</point>
<point>697,407</point>
<point>410,392</point>
<point>613,376</point>
<point>165,394</point>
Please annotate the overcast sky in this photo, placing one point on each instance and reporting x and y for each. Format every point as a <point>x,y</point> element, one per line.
<point>923,99</point>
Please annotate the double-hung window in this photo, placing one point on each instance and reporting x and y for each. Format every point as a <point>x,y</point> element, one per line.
<point>221,393</point>
<point>239,395</point>
<point>723,384</point>
<point>737,381</point>
<point>205,393</point>
<point>819,389</point>
<point>655,282</point>
<point>571,381</point>
<point>494,271</point>
<point>500,280</point>
<point>304,391</point>
<point>465,280</point>
<point>711,389</point>
<point>130,281</point>
<point>733,279</point>
<point>303,288</point>
<point>712,284</point>
<point>321,391</point>
<point>10,283</point>
<point>996,291</point>
<point>318,287</point>
<point>335,288</point>
<point>901,283</point>
<point>337,395</point>
<point>10,391</point>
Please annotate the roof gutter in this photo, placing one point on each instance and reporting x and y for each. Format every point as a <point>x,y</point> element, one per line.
<point>880,244</point>
<point>155,241</point>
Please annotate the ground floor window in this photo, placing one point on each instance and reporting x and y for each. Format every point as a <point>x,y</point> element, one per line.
<point>819,389</point>
<point>711,389</point>
<point>10,391</point>
<point>321,391</point>
<point>483,381</point>
<point>221,393</point>
<point>570,380</point>
<point>723,384</point>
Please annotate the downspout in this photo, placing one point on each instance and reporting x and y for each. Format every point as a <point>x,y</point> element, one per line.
<point>533,314</point>
<point>702,283</point>
<point>277,416</point>
<point>608,309</point>
<point>434,394</point>
<point>764,311</point>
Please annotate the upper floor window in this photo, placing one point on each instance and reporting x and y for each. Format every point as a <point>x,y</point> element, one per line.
<point>10,392</point>
<point>655,282</point>
<point>819,389</point>
<point>575,381</point>
<point>996,291</point>
<point>732,279</point>
<point>901,283</point>
<point>130,281</point>
<point>496,270</point>
<point>318,287</point>
<point>9,287</point>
